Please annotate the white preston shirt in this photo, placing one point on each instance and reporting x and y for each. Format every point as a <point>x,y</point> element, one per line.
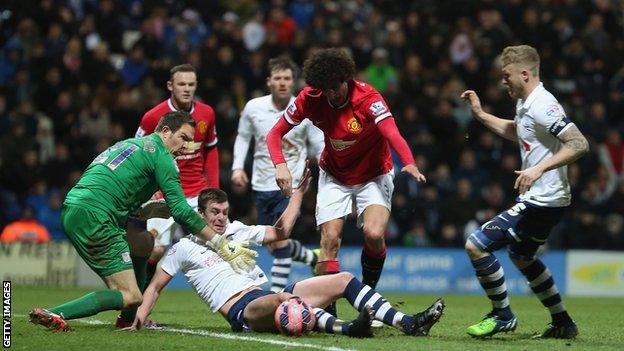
<point>257,119</point>
<point>539,120</point>
<point>213,279</point>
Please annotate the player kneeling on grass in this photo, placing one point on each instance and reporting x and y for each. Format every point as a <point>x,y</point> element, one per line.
<point>97,208</point>
<point>240,300</point>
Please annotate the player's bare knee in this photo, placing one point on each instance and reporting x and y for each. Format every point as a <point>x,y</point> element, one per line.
<point>374,236</point>
<point>131,298</point>
<point>473,251</point>
<point>284,296</point>
<point>344,278</point>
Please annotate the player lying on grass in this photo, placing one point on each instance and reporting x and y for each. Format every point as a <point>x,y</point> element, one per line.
<point>240,300</point>
<point>96,210</point>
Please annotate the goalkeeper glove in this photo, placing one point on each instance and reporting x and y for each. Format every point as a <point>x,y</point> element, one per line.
<point>237,254</point>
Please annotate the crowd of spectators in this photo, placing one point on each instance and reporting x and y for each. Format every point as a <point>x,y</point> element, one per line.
<point>76,76</point>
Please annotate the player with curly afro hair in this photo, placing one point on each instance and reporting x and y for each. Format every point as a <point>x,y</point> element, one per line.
<point>356,164</point>
<point>326,69</point>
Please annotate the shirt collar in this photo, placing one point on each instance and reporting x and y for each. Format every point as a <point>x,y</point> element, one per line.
<point>532,96</point>
<point>172,106</point>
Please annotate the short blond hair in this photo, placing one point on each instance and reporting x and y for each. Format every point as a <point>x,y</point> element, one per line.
<point>524,56</point>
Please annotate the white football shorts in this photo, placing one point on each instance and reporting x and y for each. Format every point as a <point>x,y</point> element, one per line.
<point>167,229</point>
<point>335,200</point>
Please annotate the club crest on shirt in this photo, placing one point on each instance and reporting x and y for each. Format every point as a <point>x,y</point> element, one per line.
<point>202,127</point>
<point>377,108</point>
<point>354,126</point>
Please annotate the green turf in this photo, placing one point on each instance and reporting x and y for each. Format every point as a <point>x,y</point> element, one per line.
<point>600,320</point>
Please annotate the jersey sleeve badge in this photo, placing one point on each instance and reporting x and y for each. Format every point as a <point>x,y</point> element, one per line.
<point>378,108</point>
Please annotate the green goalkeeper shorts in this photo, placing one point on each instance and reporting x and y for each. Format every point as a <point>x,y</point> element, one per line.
<point>99,242</point>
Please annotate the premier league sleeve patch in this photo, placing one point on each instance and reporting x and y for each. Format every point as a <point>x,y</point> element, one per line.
<point>289,115</point>
<point>379,111</point>
<point>378,108</point>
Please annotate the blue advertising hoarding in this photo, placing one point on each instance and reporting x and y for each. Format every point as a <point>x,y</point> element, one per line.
<point>420,270</point>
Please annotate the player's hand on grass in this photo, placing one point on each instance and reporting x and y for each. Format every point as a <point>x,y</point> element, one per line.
<point>283,179</point>
<point>414,172</point>
<point>134,327</point>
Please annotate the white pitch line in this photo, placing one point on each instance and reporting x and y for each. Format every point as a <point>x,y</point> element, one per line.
<point>223,336</point>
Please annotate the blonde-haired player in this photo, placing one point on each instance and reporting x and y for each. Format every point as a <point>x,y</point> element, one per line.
<point>548,142</point>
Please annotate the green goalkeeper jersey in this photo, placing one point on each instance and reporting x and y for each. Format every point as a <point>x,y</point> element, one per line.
<point>126,175</point>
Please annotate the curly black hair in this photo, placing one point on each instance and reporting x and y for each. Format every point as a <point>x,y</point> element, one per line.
<point>327,68</point>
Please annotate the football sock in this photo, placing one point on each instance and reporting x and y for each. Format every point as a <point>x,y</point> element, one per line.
<point>360,295</point>
<point>139,264</point>
<point>543,285</point>
<point>492,279</point>
<point>327,267</point>
<point>281,268</point>
<point>300,253</point>
<point>372,265</point>
<point>326,323</point>
<point>90,304</point>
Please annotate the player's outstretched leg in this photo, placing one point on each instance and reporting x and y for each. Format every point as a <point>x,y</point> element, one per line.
<point>492,279</point>
<point>300,253</point>
<point>543,285</point>
<point>361,296</point>
<point>326,268</point>
<point>357,328</point>
<point>85,306</point>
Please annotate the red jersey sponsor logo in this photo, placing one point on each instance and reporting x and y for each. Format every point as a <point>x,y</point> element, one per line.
<point>341,144</point>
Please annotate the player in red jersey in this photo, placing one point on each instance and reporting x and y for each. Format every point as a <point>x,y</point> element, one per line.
<point>356,166</point>
<point>198,164</point>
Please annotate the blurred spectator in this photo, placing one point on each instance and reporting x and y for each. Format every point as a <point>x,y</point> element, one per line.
<point>281,26</point>
<point>50,216</point>
<point>26,230</point>
<point>380,74</point>
<point>135,67</point>
<point>254,33</point>
<point>417,236</point>
<point>611,152</point>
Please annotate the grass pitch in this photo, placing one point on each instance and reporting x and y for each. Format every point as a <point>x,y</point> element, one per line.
<point>194,327</point>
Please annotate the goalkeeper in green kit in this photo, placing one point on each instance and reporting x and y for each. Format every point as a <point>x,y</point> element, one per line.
<point>96,211</point>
